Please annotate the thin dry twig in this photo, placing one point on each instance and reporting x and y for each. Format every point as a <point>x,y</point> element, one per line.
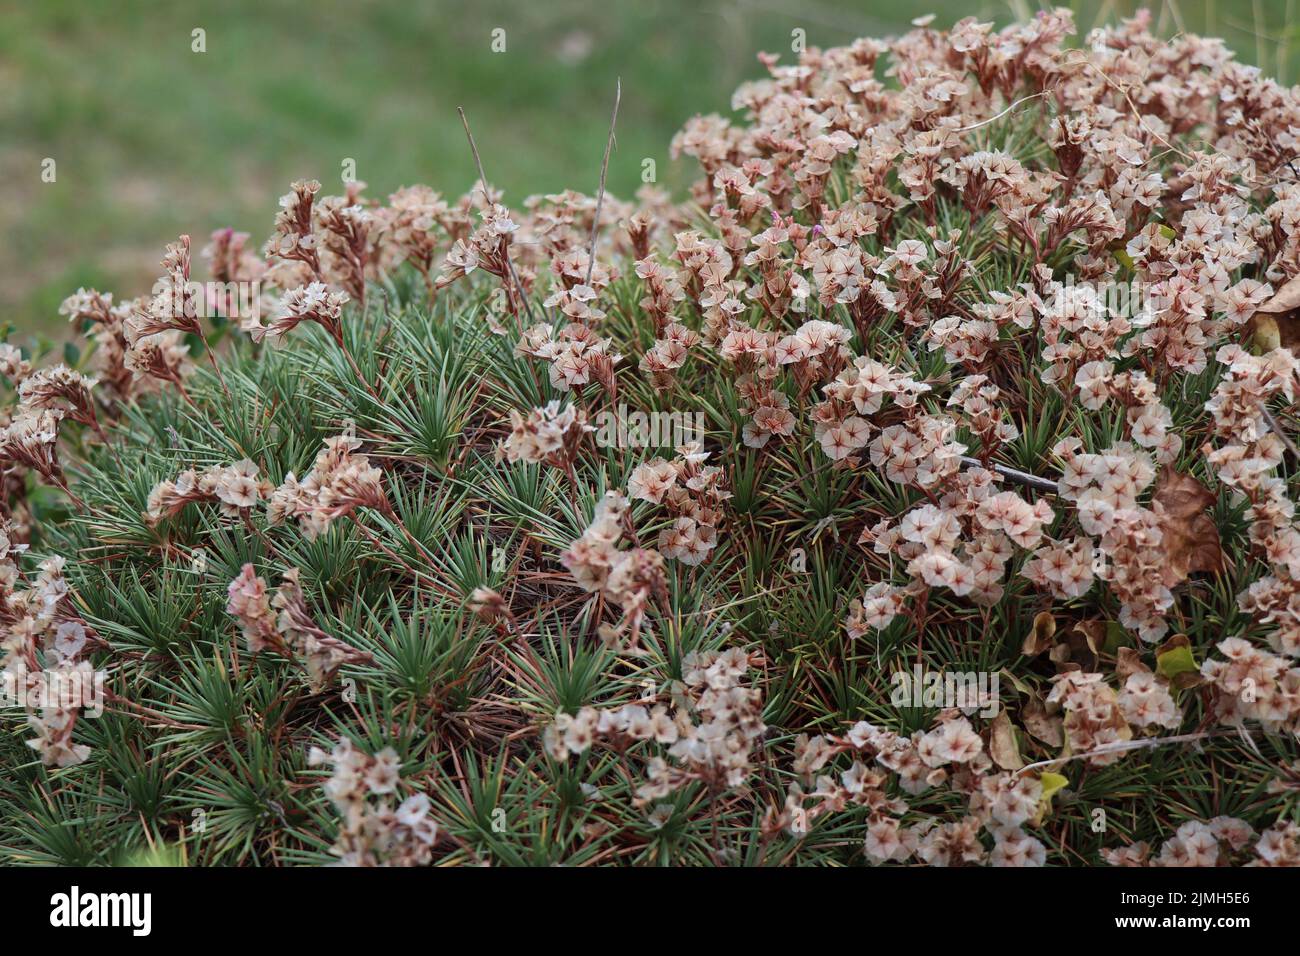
<point>1012,474</point>
<point>1126,745</point>
<point>604,169</point>
<point>993,119</point>
<point>1276,428</point>
<point>482,178</point>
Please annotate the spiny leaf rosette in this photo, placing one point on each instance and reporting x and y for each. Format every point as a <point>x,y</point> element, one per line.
<point>921,491</point>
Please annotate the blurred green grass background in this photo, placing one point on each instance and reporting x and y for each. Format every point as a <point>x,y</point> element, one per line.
<point>152,139</point>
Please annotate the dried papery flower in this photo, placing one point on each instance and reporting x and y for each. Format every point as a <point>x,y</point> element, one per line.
<point>1215,843</point>
<point>663,292</point>
<point>1064,568</point>
<point>339,483</point>
<point>415,215</point>
<point>950,753</point>
<point>1146,702</point>
<point>58,387</point>
<point>551,435</point>
<point>1132,538</point>
<point>163,356</point>
<point>31,439</point>
<point>669,353</point>
<point>487,248</point>
<point>322,654</point>
<point>175,307</point>
<point>229,259</point>
<point>236,275</point>
<point>284,624</point>
<point>236,488</point>
<point>68,689</point>
<point>709,739</point>
<point>964,536</point>
<point>1253,684</point>
<point>630,579</point>
<point>693,493</point>
<point>88,305</point>
<point>493,608</point>
<point>346,244</point>
<point>813,167</point>
<point>311,303</point>
<point>840,423</point>
<point>372,831</point>
<point>12,364</point>
<point>782,288</point>
<point>248,603</point>
<point>577,356</point>
<point>1094,717</point>
<point>174,304</point>
<point>294,237</point>
<point>44,618</point>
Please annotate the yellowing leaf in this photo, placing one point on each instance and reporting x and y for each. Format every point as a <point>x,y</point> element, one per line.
<point>1176,661</point>
<point>1265,336</point>
<point>1276,324</point>
<point>1051,782</point>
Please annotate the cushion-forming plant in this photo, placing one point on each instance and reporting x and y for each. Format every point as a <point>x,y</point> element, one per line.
<point>920,490</point>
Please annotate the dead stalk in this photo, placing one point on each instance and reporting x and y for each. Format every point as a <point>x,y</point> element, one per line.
<point>604,170</point>
<point>482,178</point>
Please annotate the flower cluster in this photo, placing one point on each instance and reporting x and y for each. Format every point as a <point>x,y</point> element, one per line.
<point>309,303</point>
<point>841,426</point>
<point>339,483</point>
<point>285,624</point>
<point>413,218</point>
<point>372,831</point>
<point>669,353</point>
<point>346,244</point>
<point>693,493</point>
<point>951,753</point>
<point>549,434</point>
<point>1216,843</point>
<point>294,239</point>
<point>43,655</point>
<point>1253,684</point>
<point>630,578</point>
<point>30,439</point>
<point>962,543</point>
<point>174,305</point>
<point>709,738</point>
<point>577,356</point>
<point>236,488</point>
<point>487,248</point>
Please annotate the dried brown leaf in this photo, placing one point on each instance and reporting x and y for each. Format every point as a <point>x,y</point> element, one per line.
<point>1002,743</point>
<point>1048,729</point>
<point>1128,661</point>
<point>1191,540</point>
<point>1285,299</point>
<point>1276,323</point>
<point>1040,638</point>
